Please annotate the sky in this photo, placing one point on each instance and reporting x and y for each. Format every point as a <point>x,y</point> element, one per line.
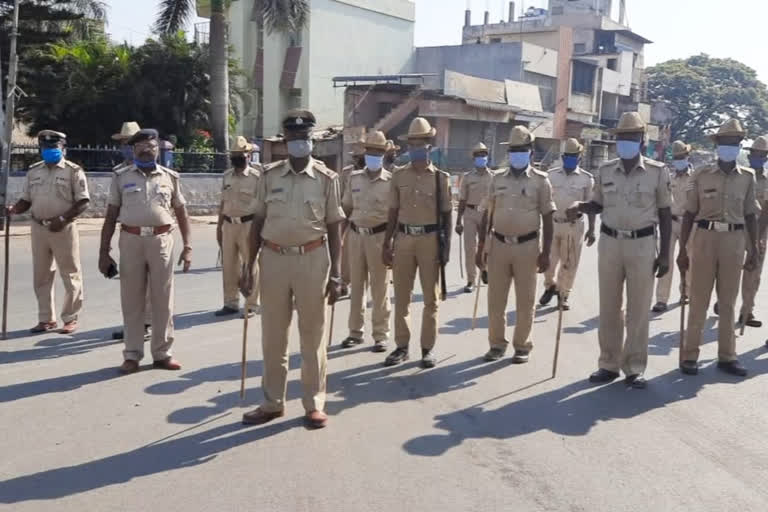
<point>679,28</point>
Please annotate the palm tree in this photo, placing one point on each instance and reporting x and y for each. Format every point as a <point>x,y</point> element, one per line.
<point>280,15</point>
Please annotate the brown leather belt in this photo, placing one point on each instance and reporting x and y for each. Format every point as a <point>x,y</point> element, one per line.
<point>146,230</point>
<point>300,249</point>
<point>514,240</point>
<point>368,231</point>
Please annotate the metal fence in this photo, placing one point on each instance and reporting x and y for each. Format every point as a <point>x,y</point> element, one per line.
<point>104,159</point>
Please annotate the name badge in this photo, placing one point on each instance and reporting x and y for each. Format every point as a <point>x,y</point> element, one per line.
<point>129,185</point>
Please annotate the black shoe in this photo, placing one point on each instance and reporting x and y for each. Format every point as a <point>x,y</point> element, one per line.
<point>659,307</point>
<point>546,297</point>
<point>562,303</point>
<point>602,376</point>
<point>399,355</point>
<point>428,359</point>
<point>716,309</point>
<point>732,367</point>
<point>226,311</point>
<point>380,346</point>
<point>350,342</point>
<point>689,367</point>
<point>521,356</point>
<point>469,288</point>
<point>494,354</point>
<point>636,381</point>
<point>344,292</point>
<point>753,322</point>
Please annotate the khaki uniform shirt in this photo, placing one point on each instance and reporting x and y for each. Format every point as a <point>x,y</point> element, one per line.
<point>715,195</point>
<point>53,191</point>
<point>297,206</point>
<point>761,188</point>
<point>146,200</point>
<point>344,176</point>
<point>568,188</point>
<point>518,202</point>
<point>413,194</point>
<point>474,188</point>
<point>632,201</point>
<point>679,183</point>
<point>368,198</point>
<point>238,192</point>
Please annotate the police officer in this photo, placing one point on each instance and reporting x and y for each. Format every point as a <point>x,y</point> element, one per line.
<point>144,197</point>
<point>519,200</point>
<point>358,162</point>
<point>366,204</point>
<point>570,184</point>
<point>632,193</point>
<point>393,150</point>
<point>56,192</point>
<point>680,177</point>
<point>722,203</point>
<point>128,130</point>
<point>297,228</point>
<point>238,203</point>
<point>750,282</point>
<point>472,199</point>
<point>413,208</point>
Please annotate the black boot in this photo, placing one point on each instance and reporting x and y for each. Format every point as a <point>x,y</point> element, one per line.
<point>546,297</point>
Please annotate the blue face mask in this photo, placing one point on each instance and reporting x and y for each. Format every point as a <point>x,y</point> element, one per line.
<point>374,163</point>
<point>757,162</point>
<point>728,153</point>
<point>519,159</point>
<point>418,154</point>
<point>51,155</point>
<point>481,161</point>
<point>126,152</point>
<point>570,162</point>
<point>141,164</point>
<point>627,149</point>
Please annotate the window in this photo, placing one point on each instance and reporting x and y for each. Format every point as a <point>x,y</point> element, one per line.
<point>580,48</point>
<point>495,40</point>
<point>384,108</point>
<point>613,64</point>
<point>583,78</point>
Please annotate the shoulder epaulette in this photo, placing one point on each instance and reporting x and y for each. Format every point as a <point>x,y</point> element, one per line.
<point>555,169</point>
<point>37,165</point>
<point>169,171</point>
<point>589,174</point>
<point>119,166</point>
<point>358,172</point>
<point>320,167</point>
<point>72,165</point>
<point>653,163</point>
<point>539,173</point>
<point>274,165</point>
<point>125,168</point>
<point>747,169</point>
<point>609,163</point>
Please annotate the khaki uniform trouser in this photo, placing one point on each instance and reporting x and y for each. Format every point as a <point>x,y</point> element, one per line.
<point>411,253</point>
<point>566,250</point>
<point>299,279</point>
<point>621,261</point>
<point>367,268</point>
<point>664,285</point>
<point>718,261</point>
<point>147,261</point>
<point>472,220</point>
<point>750,283</point>
<point>235,247</point>
<point>51,251</point>
<point>505,263</point>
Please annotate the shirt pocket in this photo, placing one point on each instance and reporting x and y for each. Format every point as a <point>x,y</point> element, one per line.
<point>161,195</point>
<point>406,194</point>
<point>246,197</point>
<point>314,208</point>
<point>63,186</point>
<point>133,195</point>
<point>36,187</point>
<point>277,203</point>
<point>735,202</point>
<point>641,196</point>
<point>710,199</point>
<point>610,194</point>
<point>521,200</point>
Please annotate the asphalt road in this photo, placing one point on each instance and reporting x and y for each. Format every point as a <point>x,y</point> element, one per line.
<point>465,436</point>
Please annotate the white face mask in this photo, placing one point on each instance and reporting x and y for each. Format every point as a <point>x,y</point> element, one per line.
<point>374,163</point>
<point>627,149</point>
<point>299,148</point>
<point>680,165</point>
<point>728,153</point>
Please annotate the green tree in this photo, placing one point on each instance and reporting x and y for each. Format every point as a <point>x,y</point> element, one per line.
<point>704,91</point>
<point>282,15</point>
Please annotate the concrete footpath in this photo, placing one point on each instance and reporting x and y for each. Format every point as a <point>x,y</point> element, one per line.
<point>464,436</point>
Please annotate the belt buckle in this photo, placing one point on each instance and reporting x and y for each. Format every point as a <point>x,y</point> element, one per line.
<point>625,234</point>
<point>236,220</point>
<point>416,230</point>
<point>146,231</point>
<point>721,227</point>
<point>511,240</point>
<point>365,231</point>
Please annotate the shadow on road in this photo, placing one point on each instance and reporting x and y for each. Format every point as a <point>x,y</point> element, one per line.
<point>60,346</point>
<point>569,410</point>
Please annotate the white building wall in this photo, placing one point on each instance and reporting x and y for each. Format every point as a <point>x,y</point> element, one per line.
<point>354,37</point>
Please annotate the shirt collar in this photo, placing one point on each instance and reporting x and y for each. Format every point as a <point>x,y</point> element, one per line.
<point>61,164</point>
<point>382,175</point>
<point>484,172</point>
<point>640,166</point>
<point>526,172</point>
<point>308,170</point>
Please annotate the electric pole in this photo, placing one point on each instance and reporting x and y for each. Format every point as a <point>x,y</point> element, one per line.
<point>10,106</point>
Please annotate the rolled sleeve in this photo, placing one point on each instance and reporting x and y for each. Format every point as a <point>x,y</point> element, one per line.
<point>663,190</point>
<point>177,201</point>
<point>260,207</point>
<point>589,192</point>
<point>597,190</point>
<point>115,195</point>
<point>546,203</point>
<point>446,204</point>
<point>346,199</point>
<point>394,194</point>
<point>464,188</point>
<point>25,191</point>
<point>692,195</point>
<point>80,187</point>
<point>751,205</point>
<point>333,211</point>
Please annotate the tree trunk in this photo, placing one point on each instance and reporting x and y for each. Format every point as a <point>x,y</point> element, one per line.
<point>219,77</point>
